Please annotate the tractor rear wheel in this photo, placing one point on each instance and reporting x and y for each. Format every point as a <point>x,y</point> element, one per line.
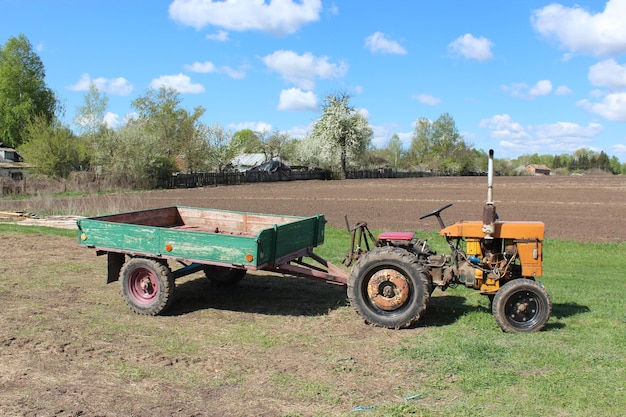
<point>222,275</point>
<point>389,288</point>
<point>147,285</point>
<point>521,306</point>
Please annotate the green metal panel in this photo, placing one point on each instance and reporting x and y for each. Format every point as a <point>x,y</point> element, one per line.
<point>121,236</point>
<point>294,236</point>
<point>214,247</point>
<point>132,233</point>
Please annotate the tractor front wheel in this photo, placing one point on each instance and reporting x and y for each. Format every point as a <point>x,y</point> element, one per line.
<point>147,285</point>
<point>388,288</point>
<point>521,306</point>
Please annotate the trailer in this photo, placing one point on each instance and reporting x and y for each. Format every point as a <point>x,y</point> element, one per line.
<point>148,250</point>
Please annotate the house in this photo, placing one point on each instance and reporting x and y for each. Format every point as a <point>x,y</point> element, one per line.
<point>537,169</point>
<point>247,161</point>
<point>12,164</point>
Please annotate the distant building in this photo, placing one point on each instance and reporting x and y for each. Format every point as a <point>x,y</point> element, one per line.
<point>12,164</point>
<point>537,169</point>
<point>247,161</point>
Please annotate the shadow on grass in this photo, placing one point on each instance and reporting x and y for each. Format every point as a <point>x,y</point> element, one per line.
<point>292,296</point>
<point>262,294</point>
<point>447,309</point>
<point>561,311</point>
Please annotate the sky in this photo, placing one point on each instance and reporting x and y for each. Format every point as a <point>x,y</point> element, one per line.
<point>517,76</point>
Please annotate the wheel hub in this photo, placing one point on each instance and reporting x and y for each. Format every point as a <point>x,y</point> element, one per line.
<point>388,289</point>
<point>143,286</point>
<point>146,285</point>
<point>522,309</point>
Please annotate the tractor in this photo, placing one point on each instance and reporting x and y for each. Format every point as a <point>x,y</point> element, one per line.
<point>394,275</point>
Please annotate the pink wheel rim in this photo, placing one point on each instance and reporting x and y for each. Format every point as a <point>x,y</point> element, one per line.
<point>143,286</point>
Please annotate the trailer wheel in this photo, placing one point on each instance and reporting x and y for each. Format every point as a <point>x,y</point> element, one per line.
<point>147,285</point>
<point>222,275</point>
<point>521,306</point>
<point>388,288</point>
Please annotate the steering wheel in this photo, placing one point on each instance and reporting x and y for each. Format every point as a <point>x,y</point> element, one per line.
<point>436,212</point>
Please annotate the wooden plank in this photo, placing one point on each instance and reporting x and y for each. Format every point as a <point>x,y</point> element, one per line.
<point>163,217</point>
<point>233,221</point>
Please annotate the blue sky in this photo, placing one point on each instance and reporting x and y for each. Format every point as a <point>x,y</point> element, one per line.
<point>517,76</point>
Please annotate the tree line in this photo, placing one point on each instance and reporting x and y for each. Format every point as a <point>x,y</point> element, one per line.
<point>163,137</point>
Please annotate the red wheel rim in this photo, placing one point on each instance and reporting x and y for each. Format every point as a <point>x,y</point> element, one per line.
<point>143,285</point>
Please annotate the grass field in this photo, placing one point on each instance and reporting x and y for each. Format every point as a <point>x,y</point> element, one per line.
<point>277,348</point>
<point>576,367</point>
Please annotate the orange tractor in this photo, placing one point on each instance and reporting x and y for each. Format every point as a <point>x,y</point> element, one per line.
<point>391,283</point>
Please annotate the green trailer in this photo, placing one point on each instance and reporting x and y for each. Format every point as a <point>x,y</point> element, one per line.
<point>143,246</point>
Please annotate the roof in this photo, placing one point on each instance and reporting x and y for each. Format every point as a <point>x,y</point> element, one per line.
<point>5,149</point>
<point>248,160</point>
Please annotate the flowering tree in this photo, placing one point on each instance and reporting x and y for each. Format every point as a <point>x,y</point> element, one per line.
<point>342,134</point>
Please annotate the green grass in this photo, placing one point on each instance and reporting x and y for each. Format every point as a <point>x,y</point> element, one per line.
<point>35,230</point>
<point>575,367</point>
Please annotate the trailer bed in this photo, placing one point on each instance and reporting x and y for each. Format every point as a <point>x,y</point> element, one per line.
<point>202,235</point>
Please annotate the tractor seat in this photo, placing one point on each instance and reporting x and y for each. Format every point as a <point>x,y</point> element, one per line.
<point>396,236</point>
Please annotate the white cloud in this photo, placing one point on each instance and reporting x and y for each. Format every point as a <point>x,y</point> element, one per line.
<point>563,90</point>
<point>377,42</point>
<point>567,130</point>
<point>233,73</point>
<point>619,150</point>
<point>302,70</point>
<point>608,74</point>
<point>202,67</point>
<point>597,93</point>
<point>540,89</point>
<point>559,137</point>
<point>254,126</point>
<point>280,17</point>
<point>179,82</point>
<point>611,107</point>
<point>295,99</point>
<point>503,127</point>
<point>427,99</point>
<point>470,47</point>
<point>114,86</point>
<point>219,36</point>
<point>208,67</point>
<point>577,30</point>
<point>112,120</point>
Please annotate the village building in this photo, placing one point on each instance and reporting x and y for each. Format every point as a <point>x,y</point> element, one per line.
<point>537,169</point>
<point>12,164</point>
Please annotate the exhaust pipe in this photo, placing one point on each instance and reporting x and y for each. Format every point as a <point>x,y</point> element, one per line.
<point>489,210</point>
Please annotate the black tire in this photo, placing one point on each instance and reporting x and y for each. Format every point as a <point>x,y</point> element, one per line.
<point>388,288</point>
<point>521,306</point>
<point>147,285</point>
<point>222,275</point>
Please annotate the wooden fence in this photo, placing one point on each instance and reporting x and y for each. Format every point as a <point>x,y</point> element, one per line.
<point>209,179</point>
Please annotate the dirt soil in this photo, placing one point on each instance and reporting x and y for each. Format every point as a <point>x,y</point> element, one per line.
<point>588,208</point>
<point>70,347</point>
<point>584,208</point>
